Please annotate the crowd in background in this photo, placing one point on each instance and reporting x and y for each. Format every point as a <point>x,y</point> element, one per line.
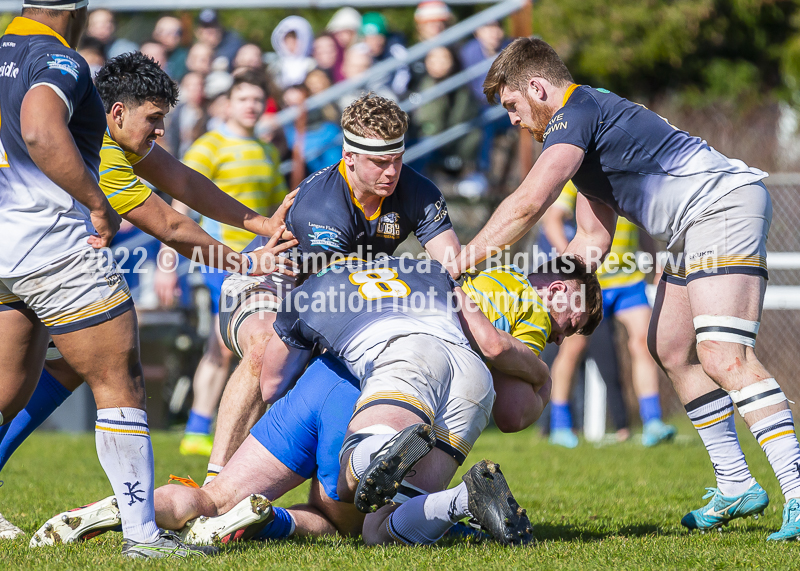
<point>301,64</point>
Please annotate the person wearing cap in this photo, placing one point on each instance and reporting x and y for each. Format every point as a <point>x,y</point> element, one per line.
<point>344,26</point>
<point>55,281</point>
<point>431,19</point>
<point>224,43</point>
<point>384,45</point>
<point>368,203</point>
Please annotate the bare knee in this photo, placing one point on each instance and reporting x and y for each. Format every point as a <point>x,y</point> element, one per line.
<point>723,362</point>
<point>253,350</point>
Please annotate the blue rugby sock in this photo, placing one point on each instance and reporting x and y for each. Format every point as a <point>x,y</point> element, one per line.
<point>279,528</point>
<point>47,397</point>
<point>649,408</point>
<point>560,416</point>
<point>198,424</point>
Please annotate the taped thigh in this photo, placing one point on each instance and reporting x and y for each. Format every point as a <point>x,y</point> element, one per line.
<point>230,331</point>
<point>725,328</point>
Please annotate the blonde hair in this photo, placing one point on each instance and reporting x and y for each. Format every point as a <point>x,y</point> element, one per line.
<point>373,116</point>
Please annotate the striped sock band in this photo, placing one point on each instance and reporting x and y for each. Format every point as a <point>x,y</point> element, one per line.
<point>212,472</point>
<point>712,416</point>
<point>775,434</point>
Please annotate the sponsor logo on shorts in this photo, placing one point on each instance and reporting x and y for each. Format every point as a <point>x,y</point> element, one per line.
<point>65,64</point>
<point>113,279</point>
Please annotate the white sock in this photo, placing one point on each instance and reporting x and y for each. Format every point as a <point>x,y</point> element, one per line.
<point>126,455</point>
<point>712,416</point>
<point>425,519</point>
<point>777,438</point>
<point>362,453</point>
<point>212,472</point>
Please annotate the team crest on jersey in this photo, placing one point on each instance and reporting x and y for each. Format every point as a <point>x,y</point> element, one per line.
<point>324,236</point>
<point>65,64</point>
<point>389,225</point>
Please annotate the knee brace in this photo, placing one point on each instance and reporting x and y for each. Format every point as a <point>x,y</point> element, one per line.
<point>727,329</point>
<point>352,441</point>
<point>758,395</point>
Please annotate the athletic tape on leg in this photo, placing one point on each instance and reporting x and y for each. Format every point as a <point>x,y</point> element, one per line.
<point>758,395</point>
<point>724,328</point>
<point>352,441</point>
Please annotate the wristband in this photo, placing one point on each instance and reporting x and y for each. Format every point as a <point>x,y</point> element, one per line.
<point>251,264</point>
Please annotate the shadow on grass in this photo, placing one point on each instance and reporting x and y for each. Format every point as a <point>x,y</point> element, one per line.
<point>569,532</point>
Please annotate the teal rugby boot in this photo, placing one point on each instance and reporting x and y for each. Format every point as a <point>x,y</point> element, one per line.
<point>722,509</point>
<point>791,522</point>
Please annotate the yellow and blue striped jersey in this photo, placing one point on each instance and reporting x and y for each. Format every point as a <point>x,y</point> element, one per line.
<point>244,168</point>
<point>615,271</point>
<point>511,303</point>
<point>122,187</point>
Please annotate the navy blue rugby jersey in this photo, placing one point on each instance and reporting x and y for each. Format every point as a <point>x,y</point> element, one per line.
<point>40,222</point>
<point>327,218</point>
<point>354,308</point>
<point>654,174</point>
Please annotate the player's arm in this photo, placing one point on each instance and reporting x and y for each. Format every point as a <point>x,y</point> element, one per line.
<point>282,365</point>
<point>44,117</point>
<point>444,248</point>
<point>182,183</point>
<point>553,227</point>
<point>180,232</point>
<point>503,351</point>
<point>596,224</point>
<point>519,212</point>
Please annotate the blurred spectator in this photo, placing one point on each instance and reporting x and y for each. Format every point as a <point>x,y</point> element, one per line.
<point>224,43</point>
<point>344,25</point>
<point>431,19</point>
<point>320,131</point>
<point>92,51</point>
<point>199,59</point>
<point>329,56</point>
<point>318,81</point>
<point>357,60</point>
<point>102,27</point>
<point>169,33</point>
<point>489,40</point>
<point>156,52</point>
<point>291,61</point>
<point>383,45</point>
<point>249,56</point>
<point>217,85</point>
<point>445,112</point>
<point>188,121</point>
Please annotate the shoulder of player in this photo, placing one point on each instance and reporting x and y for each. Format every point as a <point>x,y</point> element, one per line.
<point>411,181</point>
<point>56,54</point>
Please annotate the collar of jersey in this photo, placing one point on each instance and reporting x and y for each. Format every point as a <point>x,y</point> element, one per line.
<point>568,93</point>
<point>353,196</point>
<point>20,26</point>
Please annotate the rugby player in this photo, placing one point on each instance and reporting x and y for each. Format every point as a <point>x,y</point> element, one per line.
<point>137,94</point>
<point>300,435</point>
<point>713,212</point>
<point>53,279</point>
<point>369,202</point>
<point>624,299</point>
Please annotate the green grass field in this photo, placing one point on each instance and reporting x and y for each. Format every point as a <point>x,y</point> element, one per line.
<point>611,507</point>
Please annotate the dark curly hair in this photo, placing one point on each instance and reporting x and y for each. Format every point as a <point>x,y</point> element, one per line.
<point>132,79</point>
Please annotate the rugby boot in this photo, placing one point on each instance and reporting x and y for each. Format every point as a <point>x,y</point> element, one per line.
<point>196,444</point>
<point>168,545</point>
<point>81,523</point>
<point>492,504</point>
<point>390,465</point>
<point>563,437</point>
<point>245,520</point>
<point>8,530</point>
<point>791,522</point>
<point>656,432</point>
<point>722,509</point>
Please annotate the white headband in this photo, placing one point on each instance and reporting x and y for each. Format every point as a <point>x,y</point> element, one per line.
<point>55,4</point>
<point>364,146</point>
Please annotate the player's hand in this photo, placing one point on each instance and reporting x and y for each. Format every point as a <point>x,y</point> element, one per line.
<point>106,222</point>
<point>267,260</point>
<point>166,286</point>
<point>279,218</point>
